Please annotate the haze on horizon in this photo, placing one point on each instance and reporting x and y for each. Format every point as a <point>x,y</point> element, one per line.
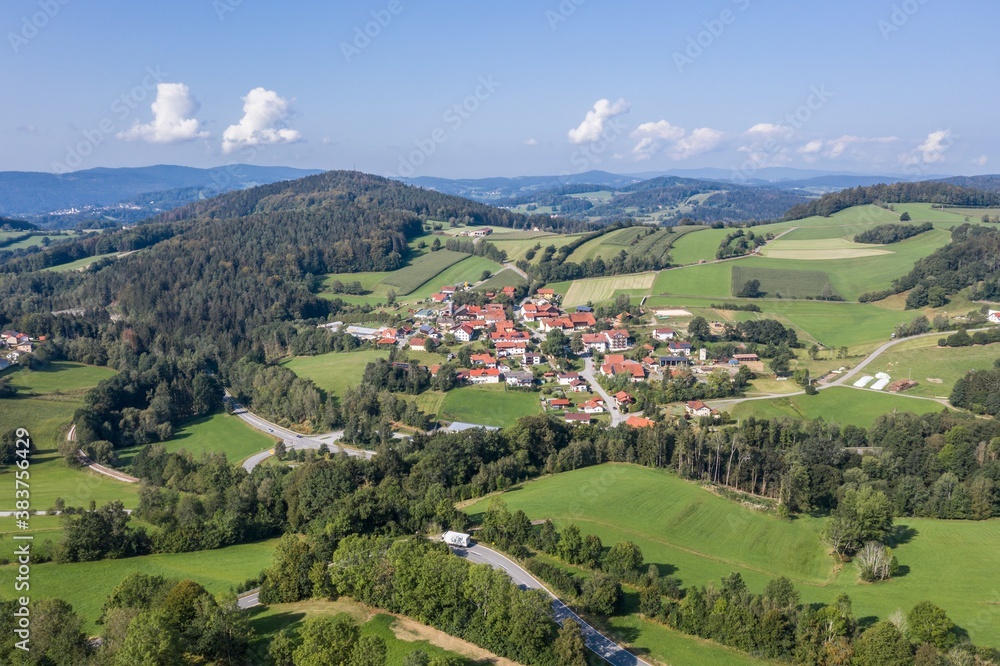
<point>502,89</point>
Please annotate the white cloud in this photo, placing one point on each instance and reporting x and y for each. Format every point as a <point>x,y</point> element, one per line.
<point>531,142</point>
<point>833,148</point>
<point>265,115</point>
<point>812,148</point>
<point>173,120</point>
<point>674,140</point>
<point>592,127</point>
<point>932,150</point>
<point>770,131</point>
<point>981,160</point>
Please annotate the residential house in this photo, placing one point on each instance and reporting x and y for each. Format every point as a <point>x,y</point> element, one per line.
<point>386,342</point>
<point>579,386</point>
<point>559,403</point>
<point>546,293</point>
<point>564,324</point>
<point>505,349</point>
<point>697,408</point>
<point>595,342</point>
<point>25,347</point>
<point>680,348</point>
<point>533,358</point>
<point>484,376</point>
<point>418,343</point>
<point>627,368</point>
<point>618,338</point>
<point>593,406</point>
<point>568,378</point>
<point>664,334</point>
<point>485,360</point>
<point>622,399</point>
<point>464,333</point>
<point>639,422</point>
<point>439,297</point>
<point>578,418</point>
<point>520,378</point>
<point>994,316</point>
<point>582,320</point>
<point>449,290</point>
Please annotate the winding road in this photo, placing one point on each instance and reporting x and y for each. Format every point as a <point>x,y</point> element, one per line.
<point>600,644</point>
<point>588,373</point>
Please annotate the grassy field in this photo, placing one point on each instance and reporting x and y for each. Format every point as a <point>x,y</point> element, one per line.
<point>427,267</point>
<point>638,240</point>
<point>711,280</point>
<point>517,247</point>
<point>484,405</point>
<point>336,371</point>
<point>468,270</point>
<point>595,290</point>
<point>47,415</point>
<point>702,537</point>
<point>58,377</point>
<point>777,283</point>
<point>218,433</point>
<point>936,369</point>
<point>843,405</point>
<point>86,585</point>
<point>401,637</point>
<point>501,279</point>
<point>81,263</point>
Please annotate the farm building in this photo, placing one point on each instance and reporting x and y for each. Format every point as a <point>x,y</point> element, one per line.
<point>418,343</point>
<point>481,233</point>
<point>674,361</point>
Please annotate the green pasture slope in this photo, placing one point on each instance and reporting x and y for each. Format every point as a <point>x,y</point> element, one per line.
<point>840,404</point>
<point>409,278</point>
<point>775,282</point>
<point>490,405</point>
<point>336,371</point>
<point>86,585</point>
<point>936,369</point>
<point>702,537</point>
<point>45,408</point>
<point>217,433</point>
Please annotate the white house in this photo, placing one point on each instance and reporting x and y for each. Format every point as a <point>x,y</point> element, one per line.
<point>485,376</point>
<point>464,333</point>
<point>664,334</point>
<point>994,316</point>
<point>519,378</point>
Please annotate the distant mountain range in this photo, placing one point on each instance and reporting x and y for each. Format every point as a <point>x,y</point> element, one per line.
<point>124,195</point>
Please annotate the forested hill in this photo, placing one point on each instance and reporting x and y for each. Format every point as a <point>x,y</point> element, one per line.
<point>15,225</point>
<point>936,192</point>
<point>334,192</point>
<point>223,268</point>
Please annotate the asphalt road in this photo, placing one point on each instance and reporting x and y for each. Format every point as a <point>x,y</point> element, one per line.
<point>249,599</point>
<point>292,440</point>
<point>600,644</point>
<point>609,403</point>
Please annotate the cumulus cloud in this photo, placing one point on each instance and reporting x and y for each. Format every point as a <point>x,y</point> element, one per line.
<point>834,148</point>
<point>764,131</point>
<point>675,141</point>
<point>592,127</point>
<point>173,120</point>
<point>264,122</point>
<point>932,150</point>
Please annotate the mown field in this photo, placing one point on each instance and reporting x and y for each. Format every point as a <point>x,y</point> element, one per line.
<point>517,247</point>
<point>86,585</point>
<point>57,377</point>
<point>401,637</point>
<point>409,278</point>
<point>468,270</point>
<point>501,279</point>
<point>336,371</point>
<point>595,290</point>
<point>935,368</point>
<point>490,405</point>
<point>221,432</point>
<point>701,538</point>
<point>81,263</point>
<point>778,283</point>
<point>840,404</point>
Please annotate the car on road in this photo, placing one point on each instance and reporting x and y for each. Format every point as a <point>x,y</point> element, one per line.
<point>270,429</point>
<point>298,437</point>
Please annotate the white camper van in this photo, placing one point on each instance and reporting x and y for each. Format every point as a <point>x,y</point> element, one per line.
<point>457,539</point>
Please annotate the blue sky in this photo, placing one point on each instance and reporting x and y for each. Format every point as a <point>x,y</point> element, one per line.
<point>474,89</point>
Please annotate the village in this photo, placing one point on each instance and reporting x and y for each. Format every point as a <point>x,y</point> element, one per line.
<point>580,365</point>
<point>13,346</point>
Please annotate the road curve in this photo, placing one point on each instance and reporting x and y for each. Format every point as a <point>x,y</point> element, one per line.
<point>292,440</point>
<point>100,469</point>
<point>600,644</point>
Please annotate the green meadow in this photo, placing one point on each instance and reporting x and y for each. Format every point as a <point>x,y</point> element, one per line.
<point>701,537</point>
<point>839,404</point>
<point>220,432</point>
<point>336,371</point>
<point>491,405</point>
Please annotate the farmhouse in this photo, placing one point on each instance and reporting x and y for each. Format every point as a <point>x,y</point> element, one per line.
<point>994,316</point>
<point>616,365</point>
<point>582,320</point>
<point>697,408</point>
<point>439,298</point>
<point>481,233</point>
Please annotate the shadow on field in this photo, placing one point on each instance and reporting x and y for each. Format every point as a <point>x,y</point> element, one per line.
<point>901,534</point>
